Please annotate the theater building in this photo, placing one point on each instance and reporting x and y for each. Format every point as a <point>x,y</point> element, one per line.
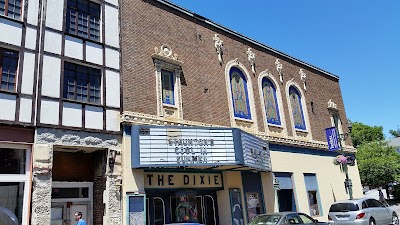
<point>219,127</point>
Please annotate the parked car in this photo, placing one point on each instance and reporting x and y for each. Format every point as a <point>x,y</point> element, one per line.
<point>281,218</point>
<point>363,211</point>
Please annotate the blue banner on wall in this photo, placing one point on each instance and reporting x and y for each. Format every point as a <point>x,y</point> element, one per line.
<point>332,139</point>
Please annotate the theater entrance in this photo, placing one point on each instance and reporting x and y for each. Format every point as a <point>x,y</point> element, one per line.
<point>166,207</point>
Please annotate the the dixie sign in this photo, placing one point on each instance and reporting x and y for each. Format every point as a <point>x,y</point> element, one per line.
<point>182,180</point>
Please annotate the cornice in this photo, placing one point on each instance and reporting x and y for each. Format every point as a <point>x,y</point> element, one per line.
<point>134,118</point>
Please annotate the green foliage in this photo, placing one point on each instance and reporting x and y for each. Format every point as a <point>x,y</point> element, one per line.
<point>395,133</point>
<point>362,133</point>
<point>378,163</point>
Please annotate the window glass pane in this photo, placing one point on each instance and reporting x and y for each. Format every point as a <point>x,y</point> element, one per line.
<point>270,102</point>
<point>70,192</point>
<point>2,6</point>
<point>11,198</point>
<point>12,161</point>
<point>184,209</point>
<point>297,109</point>
<point>83,19</point>
<point>305,219</point>
<point>240,99</point>
<point>9,66</point>
<point>313,202</point>
<point>167,78</point>
<point>14,9</point>
<point>83,83</point>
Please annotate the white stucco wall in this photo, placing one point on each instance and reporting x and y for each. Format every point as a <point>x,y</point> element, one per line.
<point>33,11</point>
<point>52,42</point>
<point>93,117</point>
<point>112,58</point>
<point>329,178</point>
<point>113,96</point>
<point>28,73</point>
<point>113,120</point>
<point>8,104</point>
<point>49,110</point>
<point>73,47</point>
<point>54,14</point>
<point>30,38</point>
<point>113,2</point>
<point>25,110</point>
<point>94,53</point>
<point>72,114</point>
<point>232,179</point>
<point>111,26</point>
<point>8,27</point>
<point>51,76</point>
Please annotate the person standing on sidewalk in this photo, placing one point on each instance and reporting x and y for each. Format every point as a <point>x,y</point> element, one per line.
<point>78,218</point>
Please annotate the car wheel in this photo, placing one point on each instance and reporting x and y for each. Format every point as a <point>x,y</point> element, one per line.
<point>395,219</point>
<point>371,221</point>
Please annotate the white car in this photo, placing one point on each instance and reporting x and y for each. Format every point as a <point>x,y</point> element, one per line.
<point>363,211</point>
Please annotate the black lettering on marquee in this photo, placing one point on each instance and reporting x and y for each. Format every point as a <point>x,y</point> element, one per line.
<point>170,180</point>
<point>209,180</point>
<point>185,179</point>
<point>160,180</point>
<point>194,179</point>
<point>149,176</point>
<point>216,179</point>
<point>202,179</point>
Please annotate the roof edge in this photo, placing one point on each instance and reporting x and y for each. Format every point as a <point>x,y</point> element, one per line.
<point>237,34</point>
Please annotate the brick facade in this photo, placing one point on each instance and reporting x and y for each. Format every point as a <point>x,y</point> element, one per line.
<point>148,24</point>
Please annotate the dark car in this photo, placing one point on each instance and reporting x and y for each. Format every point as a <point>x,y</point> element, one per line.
<point>281,218</point>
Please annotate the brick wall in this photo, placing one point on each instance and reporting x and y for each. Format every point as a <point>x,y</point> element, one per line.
<point>147,24</point>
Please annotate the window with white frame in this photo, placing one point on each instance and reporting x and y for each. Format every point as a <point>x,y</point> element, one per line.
<point>83,19</point>
<point>168,82</point>
<point>168,89</point>
<point>11,8</point>
<point>14,184</point>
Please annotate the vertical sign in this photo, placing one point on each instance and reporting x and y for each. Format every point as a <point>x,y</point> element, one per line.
<point>332,138</point>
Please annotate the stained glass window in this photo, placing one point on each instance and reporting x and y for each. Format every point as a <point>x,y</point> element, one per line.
<point>270,102</point>
<point>167,79</point>
<point>297,109</point>
<point>240,96</point>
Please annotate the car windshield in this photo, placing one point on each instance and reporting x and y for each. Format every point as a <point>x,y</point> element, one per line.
<point>265,220</point>
<point>343,207</point>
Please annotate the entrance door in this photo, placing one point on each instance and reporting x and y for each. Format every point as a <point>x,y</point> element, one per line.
<point>68,198</point>
<point>58,212</point>
<point>209,205</point>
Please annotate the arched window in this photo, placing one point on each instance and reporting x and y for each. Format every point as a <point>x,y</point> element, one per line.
<point>240,97</point>
<point>270,102</point>
<point>297,109</point>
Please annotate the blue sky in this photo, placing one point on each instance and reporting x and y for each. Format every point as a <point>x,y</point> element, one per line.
<point>357,40</point>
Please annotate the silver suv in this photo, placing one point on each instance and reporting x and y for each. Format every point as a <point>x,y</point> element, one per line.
<point>363,211</point>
